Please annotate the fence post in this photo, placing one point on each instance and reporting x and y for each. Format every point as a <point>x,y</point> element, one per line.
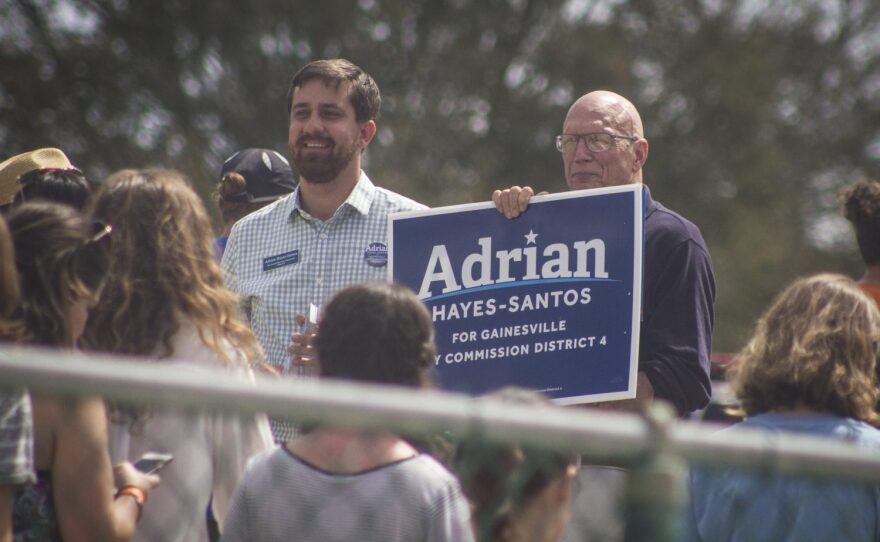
<point>656,491</point>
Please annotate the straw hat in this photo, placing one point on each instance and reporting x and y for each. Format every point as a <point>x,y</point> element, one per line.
<point>15,167</point>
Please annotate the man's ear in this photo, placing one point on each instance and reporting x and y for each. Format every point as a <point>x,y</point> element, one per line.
<point>641,151</point>
<point>368,130</point>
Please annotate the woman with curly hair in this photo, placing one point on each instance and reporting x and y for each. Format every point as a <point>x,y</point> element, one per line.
<point>165,300</point>
<point>861,206</point>
<point>61,266</point>
<point>809,368</point>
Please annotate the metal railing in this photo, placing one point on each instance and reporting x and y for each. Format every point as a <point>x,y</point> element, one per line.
<point>655,447</point>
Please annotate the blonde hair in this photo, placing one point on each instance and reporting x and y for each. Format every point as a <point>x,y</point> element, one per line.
<point>164,271</point>
<point>814,347</point>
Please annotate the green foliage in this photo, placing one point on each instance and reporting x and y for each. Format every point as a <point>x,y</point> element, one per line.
<point>755,118</point>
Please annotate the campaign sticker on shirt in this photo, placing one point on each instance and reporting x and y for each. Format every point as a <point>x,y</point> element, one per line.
<point>376,255</point>
<point>280,260</point>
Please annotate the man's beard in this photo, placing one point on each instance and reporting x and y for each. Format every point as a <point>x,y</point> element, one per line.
<point>324,167</point>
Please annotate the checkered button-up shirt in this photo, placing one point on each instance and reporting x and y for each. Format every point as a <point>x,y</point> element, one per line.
<point>280,259</point>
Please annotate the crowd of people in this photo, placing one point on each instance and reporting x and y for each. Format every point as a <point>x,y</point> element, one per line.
<point>131,266</point>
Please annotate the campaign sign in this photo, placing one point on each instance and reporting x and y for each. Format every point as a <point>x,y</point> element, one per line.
<point>548,301</point>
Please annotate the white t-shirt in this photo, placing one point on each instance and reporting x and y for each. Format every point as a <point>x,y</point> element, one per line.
<point>210,452</point>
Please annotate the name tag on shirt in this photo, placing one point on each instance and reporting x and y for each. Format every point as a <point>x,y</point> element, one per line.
<point>280,260</point>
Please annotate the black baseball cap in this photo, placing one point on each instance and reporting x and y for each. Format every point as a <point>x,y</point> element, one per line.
<point>268,175</point>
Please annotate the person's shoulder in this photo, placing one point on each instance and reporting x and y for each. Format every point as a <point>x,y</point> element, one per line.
<point>274,212</point>
<point>438,486</point>
<point>848,429</point>
<point>13,401</point>
<point>430,464</point>
<point>190,349</point>
<point>395,202</point>
<point>665,219</point>
<point>261,468</point>
<point>823,425</point>
<point>669,227</point>
<point>426,471</point>
<point>266,458</point>
<point>863,433</point>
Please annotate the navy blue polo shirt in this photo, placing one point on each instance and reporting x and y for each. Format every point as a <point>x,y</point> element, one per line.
<point>678,298</point>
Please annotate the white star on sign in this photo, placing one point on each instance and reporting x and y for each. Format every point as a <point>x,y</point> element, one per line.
<point>530,237</point>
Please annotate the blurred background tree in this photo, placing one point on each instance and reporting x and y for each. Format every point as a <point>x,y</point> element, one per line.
<point>758,112</point>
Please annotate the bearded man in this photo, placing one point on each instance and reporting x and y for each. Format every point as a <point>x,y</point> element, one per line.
<point>331,232</point>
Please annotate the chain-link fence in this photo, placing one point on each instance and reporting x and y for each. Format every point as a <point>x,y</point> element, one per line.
<point>631,483</point>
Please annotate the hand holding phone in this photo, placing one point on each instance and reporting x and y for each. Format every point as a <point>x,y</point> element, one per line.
<point>151,462</point>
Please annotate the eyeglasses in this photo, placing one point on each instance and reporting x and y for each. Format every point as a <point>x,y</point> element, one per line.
<point>596,142</point>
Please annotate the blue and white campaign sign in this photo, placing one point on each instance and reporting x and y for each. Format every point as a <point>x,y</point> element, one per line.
<point>548,301</point>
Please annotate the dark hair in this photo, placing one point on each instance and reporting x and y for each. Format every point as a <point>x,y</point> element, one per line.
<point>11,328</point>
<point>55,184</point>
<point>861,205</point>
<point>232,211</point>
<point>362,91</point>
<point>59,261</point>
<point>376,332</point>
<point>500,479</point>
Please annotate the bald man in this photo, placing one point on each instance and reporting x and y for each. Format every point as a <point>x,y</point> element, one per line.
<point>603,144</point>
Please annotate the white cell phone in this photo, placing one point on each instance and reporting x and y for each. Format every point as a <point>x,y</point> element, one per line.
<point>150,462</point>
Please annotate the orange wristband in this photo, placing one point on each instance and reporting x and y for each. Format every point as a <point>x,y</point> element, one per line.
<point>137,493</point>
